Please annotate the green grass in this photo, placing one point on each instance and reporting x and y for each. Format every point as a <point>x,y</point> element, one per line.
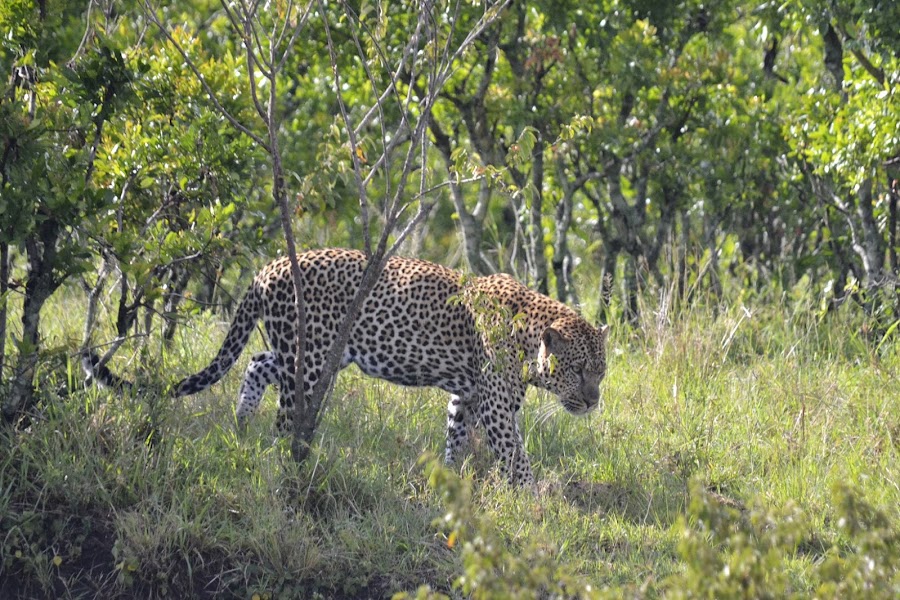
<point>762,413</point>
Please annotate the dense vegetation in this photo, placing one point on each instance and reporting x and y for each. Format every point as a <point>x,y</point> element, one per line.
<point>731,168</point>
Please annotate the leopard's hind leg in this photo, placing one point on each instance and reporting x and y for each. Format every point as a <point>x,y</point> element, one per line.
<point>260,374</point>
<point>461,421</point>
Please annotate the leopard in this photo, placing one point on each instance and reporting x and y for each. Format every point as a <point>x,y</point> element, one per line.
<point>421,325</point>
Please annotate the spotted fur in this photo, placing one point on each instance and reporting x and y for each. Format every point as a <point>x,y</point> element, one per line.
<point>418,327</point>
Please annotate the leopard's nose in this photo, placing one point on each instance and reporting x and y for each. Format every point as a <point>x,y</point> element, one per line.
<point>591,394</point>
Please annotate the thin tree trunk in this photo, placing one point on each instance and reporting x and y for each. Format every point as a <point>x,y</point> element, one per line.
<point>894,187</point>
<point>173,298</point>
<point>470,223</point>
<point>872,242</point>
<point>206,295</point>
<point>40,286</point>
<point>684,245</point>
<point>300,443</point>
<point>844,259</point>
<point>471,230</point>
<point>562,257</point>
<point>536,235</point>
<point>4,289</point>
<point>149,313</point>
<point>664,228</point>
<point>632,311</point>
<point>93,297</point>
<point>126,314</point>
<point>710,237</point>
<point>607,277</point>
<point>627,220</point>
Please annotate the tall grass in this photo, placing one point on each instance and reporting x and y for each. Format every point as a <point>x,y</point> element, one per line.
<point>757,407</point>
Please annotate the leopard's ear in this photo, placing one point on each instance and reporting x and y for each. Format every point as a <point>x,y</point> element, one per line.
<point>604,332</point>
<point>553,340</point>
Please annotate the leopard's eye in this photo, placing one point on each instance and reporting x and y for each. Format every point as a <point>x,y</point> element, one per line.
<point>581,369</point>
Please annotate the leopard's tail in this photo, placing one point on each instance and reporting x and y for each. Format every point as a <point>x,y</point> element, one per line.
<point>238,334</point>
<point>90,363</point>
<point>235,341</point>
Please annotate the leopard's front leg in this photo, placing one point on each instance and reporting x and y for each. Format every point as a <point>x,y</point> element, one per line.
<point>498,406</point>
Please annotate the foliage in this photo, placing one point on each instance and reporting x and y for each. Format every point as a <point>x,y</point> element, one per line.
<point>490,568</point>
<point>728,551</point>
<point>642,139</point>
<point>732,553</point>
<point>731,165</point>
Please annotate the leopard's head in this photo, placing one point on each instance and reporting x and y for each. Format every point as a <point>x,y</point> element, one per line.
<point>572,362</point>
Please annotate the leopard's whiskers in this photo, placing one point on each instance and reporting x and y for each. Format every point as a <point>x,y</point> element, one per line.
<point>546,411</point>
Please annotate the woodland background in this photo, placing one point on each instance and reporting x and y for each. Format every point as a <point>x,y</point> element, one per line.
<point>719,165</point>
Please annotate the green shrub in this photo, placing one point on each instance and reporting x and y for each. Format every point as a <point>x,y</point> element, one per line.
<point>733,553</point>
<point>490,568</point>
<point>727,551</point>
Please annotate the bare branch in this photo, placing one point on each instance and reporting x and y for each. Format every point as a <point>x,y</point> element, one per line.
<point>249,12</point>
<point>354,145</point>
<point>88,29</point>
<point>421,214</point>
<point>876,73</point>
<point>243,25</point>
<point>301,25</point>
<point>372,82</point>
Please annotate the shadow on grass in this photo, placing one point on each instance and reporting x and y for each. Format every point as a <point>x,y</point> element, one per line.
<point>628,501</point>
<point>659,505</point>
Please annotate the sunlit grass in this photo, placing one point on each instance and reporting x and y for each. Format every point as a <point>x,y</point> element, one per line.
<point>145,496</point>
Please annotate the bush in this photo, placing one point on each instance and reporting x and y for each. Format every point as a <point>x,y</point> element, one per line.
<point>734,553</point>
<point>728,551</point>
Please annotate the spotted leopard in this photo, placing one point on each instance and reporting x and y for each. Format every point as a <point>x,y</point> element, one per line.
<point>418,327</point>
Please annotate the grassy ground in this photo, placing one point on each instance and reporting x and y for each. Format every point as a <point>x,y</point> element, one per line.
<point>763,410</point>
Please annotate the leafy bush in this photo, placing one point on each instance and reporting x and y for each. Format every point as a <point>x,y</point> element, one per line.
<point>728,551</point>
<point>732,553</point>
<point>491,569</point>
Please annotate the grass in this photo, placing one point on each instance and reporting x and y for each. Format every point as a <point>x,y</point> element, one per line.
<point>760,409</point>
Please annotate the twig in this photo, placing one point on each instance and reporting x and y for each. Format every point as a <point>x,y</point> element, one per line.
<point>354,144</point>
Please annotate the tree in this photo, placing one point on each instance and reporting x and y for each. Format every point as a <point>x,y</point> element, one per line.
<point>49,153</point>
<point>846,134</point>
